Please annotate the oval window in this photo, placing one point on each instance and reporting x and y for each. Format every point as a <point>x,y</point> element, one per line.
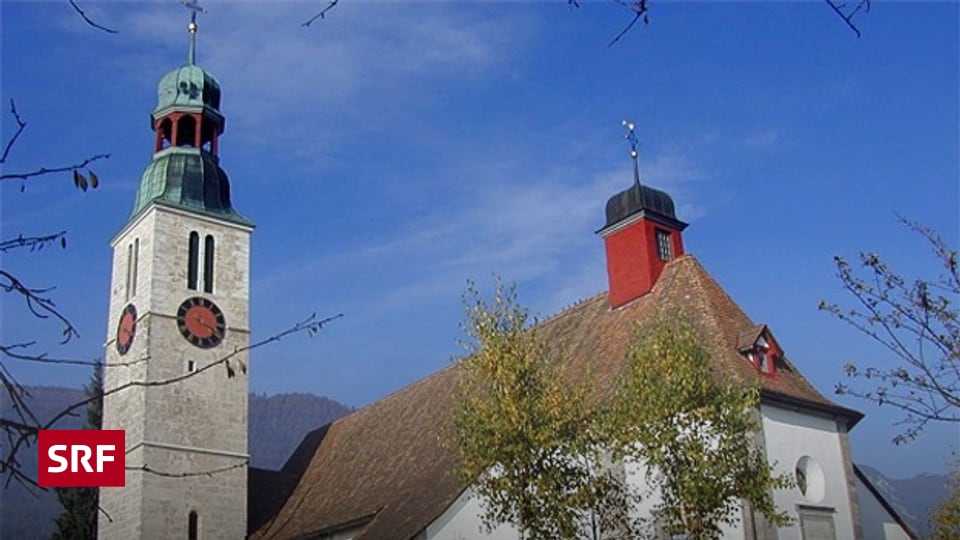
<point>810,479</point>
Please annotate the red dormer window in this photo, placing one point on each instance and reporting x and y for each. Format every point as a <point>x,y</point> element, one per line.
<point>762,358</point>
<point>761,350</point>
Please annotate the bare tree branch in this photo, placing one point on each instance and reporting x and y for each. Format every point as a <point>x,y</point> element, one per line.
<point>23,432</point>
<point>40,306</point>
<point>639,9</point>
<point>918,322</point>
<point>21,125</point>
<point>848,13</point>
<point>321,15</point>
<point>10,351</point>
<point>50,170</point>
<point>88,20</point>
<point>81,181</point>
<point>210,472</point>
<point>33,243</point>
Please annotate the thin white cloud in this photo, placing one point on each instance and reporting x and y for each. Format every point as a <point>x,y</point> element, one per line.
<point>519,228</point>
<point>762,139</point>
<point>305,89</point>
<point>516,216</point>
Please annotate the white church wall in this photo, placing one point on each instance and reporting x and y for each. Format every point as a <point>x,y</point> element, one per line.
<point>650,499</point>
<point>461,521</point>
<point>791,435</point>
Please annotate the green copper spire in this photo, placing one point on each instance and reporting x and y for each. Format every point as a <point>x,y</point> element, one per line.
<point>185,170</point>
<point>190,180</point>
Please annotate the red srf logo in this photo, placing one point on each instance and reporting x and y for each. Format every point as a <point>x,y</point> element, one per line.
<point>81,458</point>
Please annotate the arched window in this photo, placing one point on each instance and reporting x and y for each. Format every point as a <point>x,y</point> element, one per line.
<point>208,264</point>
<point>136,264</point>
<point>193,526</point>
<point>186,131</point>
<point>193,259</point>
<point>164,134</point>
<point>126,295</point>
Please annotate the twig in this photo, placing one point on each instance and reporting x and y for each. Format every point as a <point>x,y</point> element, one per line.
<point>49,170</point>
<point>89,20</point>
<point>321,15</point>
<point>639,8</point>
<point>147,469</point>
<point>21,433</point>
<point>41,307</point>
<point>33,242</point>
<point>21,125</point>
<point>8,350</point>
<point>848,16</point>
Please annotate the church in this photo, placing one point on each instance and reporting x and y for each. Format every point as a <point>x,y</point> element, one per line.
<point>179,326</point>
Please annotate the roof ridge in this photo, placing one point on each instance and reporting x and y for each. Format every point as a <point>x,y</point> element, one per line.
<point>723,306</point>
<point>568,310</point>
<point>406,388</point>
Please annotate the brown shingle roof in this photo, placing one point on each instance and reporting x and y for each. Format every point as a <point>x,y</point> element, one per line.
<point>748,338</point>
<point>386,464</point>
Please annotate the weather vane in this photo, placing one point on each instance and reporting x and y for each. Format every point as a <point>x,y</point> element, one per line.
<point>634,155</point>
<point>194,7</point>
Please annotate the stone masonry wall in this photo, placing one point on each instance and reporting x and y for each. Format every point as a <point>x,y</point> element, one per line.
<point>195,425</point>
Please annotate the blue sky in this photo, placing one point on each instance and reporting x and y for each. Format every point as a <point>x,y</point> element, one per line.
<point>396,149</point>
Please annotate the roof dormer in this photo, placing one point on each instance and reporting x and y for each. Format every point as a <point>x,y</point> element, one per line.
<point>758,347</point>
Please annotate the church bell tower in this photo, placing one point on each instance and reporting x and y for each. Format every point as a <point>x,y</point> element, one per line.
<point>178,329</point>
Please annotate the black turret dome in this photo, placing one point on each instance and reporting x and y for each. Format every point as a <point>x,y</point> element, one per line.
<point>639,198</point>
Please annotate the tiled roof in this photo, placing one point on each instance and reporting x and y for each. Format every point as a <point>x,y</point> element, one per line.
<point>388,466</point>
<point>748,338</point>
<point>266,492</point>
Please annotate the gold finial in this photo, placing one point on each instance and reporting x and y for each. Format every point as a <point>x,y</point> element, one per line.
<point>634,155</point>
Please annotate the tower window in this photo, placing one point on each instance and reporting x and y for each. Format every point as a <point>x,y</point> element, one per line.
<point>186,131</point>
<point>133,255</point>
<point>126,294</point>
<point>664,248</point>
<point>208,264</point>
<point>136,264</point>
<point>193,526</point>
<point>193,260</point>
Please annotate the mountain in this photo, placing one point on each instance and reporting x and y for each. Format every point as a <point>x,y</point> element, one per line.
<point>277,425</point>
<point>912,498</point>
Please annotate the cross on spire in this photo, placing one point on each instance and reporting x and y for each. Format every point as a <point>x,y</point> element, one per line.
<point>194,7</point>
<point>631,136</point>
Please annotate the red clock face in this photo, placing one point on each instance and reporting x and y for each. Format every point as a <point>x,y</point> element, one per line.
<point>126,328</point>
<point>201,322</point>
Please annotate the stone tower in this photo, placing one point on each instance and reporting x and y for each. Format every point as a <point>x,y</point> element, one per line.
<point>179,312</point>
